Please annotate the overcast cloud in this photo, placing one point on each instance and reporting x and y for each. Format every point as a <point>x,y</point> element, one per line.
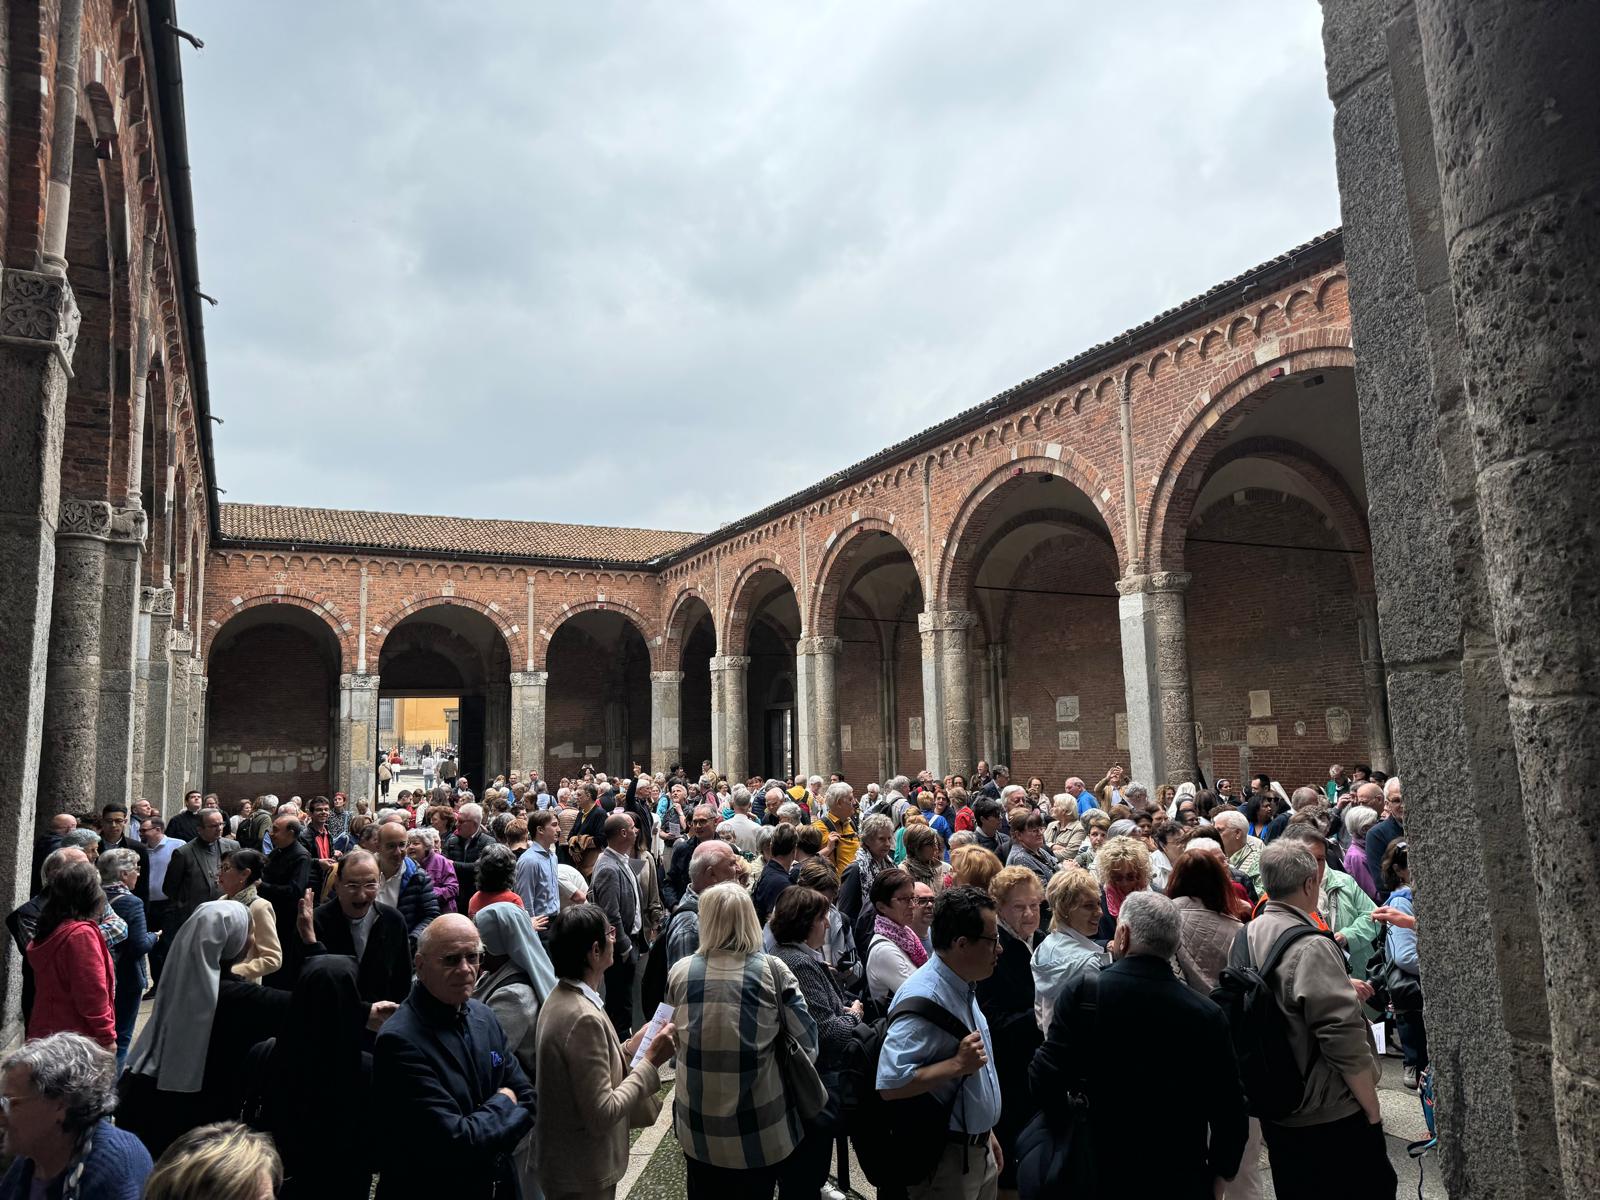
<point>472,255</point>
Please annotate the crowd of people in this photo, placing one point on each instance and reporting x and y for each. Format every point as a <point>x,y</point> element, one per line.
<point>943,975</point>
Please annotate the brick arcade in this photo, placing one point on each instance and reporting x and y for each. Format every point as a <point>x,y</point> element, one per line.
<point>1157,552</point>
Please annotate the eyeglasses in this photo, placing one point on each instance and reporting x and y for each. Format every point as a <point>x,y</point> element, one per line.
<point>923,901</point>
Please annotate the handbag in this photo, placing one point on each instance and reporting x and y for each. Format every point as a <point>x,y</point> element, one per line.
<point>1055,1153</point>
<point>802,1083</point>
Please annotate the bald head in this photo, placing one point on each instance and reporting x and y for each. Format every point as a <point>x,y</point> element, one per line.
<point>448,953</point>
<point>713,862</point>
<point>447,926</point>
<point>1371,795</point>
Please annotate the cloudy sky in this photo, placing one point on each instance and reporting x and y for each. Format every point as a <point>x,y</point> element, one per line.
<point>662,264</point>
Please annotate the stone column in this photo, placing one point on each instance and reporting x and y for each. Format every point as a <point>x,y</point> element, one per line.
<point>181,653</point>
<point>1155,678</point>
<point>194,750</point>
<point>71,750</point>
<point>358,737</point>
<point>119,625</point>
<point>155,677</point>
<point>946,690</point>
<point>496,735</point>
<point>728,678</point>
<point>1374,689</point>
<point>888,719</point>
<point>1498,932</point>
<point>527,720</point>
<point>1516,126</point>
<point>38,328</point>
<point>666,715</point>
<point>816,661</point>
<point>999,748</point>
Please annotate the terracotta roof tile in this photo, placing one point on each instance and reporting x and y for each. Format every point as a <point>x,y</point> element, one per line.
<point>445,535</point>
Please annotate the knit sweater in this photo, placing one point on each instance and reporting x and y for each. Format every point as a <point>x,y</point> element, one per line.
<point>115,1168</point>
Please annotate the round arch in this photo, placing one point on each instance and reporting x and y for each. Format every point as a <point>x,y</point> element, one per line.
<point>735,626</point>
<point>682,615</point>
<point>318,606</point>
<point>628,612</point>
<point>599,704</point>
<point>960,558</point>
<point>842,552</point>
<point>513,639</point>
<point>1199,432</point>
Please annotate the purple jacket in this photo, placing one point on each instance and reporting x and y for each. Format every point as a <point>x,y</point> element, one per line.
<point>1355,866</point>
<point>445,885</point>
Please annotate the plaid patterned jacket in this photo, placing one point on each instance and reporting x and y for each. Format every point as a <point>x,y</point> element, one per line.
<point>729,1107</point>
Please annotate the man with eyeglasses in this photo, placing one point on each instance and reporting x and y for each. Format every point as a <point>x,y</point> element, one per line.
<point>444,1069</point>
<point>354,924</point>
<point>702,827</point>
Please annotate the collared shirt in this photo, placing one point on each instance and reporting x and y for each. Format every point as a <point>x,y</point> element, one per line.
<point>536,881</point>
<point>389,889</point>
<point>361,928</point>
<point>638,901</point>
<point>160,860</point>
<point>594,996</point>
<point>913,1043</point>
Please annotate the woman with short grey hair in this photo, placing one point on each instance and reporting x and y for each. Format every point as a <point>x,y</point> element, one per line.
<point>59,1093</point>
<point>119,873</point>
<point>1358,820</point>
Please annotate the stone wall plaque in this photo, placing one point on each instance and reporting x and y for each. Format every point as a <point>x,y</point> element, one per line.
<point>1299,729</point>
<point>593,752</point>
<point>915,727</point>
<point>844,737</point>
<point>1066,708</point>
<point>1067,739</point>
<point>1122,730</point>
<point>1338,725</point>
<point>1261,703</point>
<point>1021,733</point>
<point>1261,735</point>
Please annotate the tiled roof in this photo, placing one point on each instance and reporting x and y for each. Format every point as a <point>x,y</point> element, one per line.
<point>445,535</point>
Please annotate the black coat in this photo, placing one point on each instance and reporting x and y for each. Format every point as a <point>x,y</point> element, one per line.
<point>185,826</point>
<point>384,972</point>
<point>1006,998</point>
<point>438,1071</point>
<point>769,886</point>
<point>283,883</point>
<point>1205,1123</point>
<point>464,853</point>
<point>676,885</point>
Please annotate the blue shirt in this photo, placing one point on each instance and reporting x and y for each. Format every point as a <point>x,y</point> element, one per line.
<point>160,860</point>
<point>1086,801</point>
<point>536,882</point>
<point>913,1043</point>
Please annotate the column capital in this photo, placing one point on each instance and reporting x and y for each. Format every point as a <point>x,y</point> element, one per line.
<point>819,645</point>
<point>1156,581</point>
<point>730,662</point>
<point>180,640</point>
<point>358,683</point>
<point>530,678</point>
<point>157,601</point>
<point>100,521</point>
<point>936,619</point>
<point>666,676</point>
<point>38,310</point>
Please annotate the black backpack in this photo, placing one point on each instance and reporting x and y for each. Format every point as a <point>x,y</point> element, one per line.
<point>653,982</point>
<point>1274,1085</point>
<point>881,1130</point>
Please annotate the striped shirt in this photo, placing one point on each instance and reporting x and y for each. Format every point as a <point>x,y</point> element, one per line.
<point>729,1106</point>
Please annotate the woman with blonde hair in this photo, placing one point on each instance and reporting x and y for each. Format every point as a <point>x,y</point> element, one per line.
<point>973,866</point>
<point>732,1005</point>
<point>1070,949</point>
<point>223,1161</point>
<point>1007,999</point>
<point>1123,867</point>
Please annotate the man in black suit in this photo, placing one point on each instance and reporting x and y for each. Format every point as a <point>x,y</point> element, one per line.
<point>614,888</point>
<point>355,925</point>
<point>1206,1124</point>
<point>283,882</point>
<point>444,1069</point>
<point>114,836</point>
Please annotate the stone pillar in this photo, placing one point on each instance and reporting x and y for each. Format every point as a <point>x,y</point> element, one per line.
<point>496,735</point>
<point>946,690</point>
<point>194,751</point>
<point>155,678</point>
<point>1449,650</point>
<point>358,737</point>
<point>728,678</point>
<point>71,750</point>
<point>183,678</point>
<point>816,661</point>
<point>527,720</point>
<point>1373,686</point>
<point>999,736</point>
<point>1155,678</point>
<point>1516,126</point>
<point>119,627</point>
<point>666,715</point>
<point>38,327</point>
<point>888,714</point>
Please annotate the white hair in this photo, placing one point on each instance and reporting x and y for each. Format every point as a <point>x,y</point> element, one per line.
<point>741,797</point>
<point>424,833</point>
<point>1233,818</point>
<point>1200,843</point>
<point>473,812</point>
<point>814,781</point>
<point>1392,782</point>
<point>837,792</point>
<point>900,784</point>
<point>269,800</point>
<point>1152,922</point>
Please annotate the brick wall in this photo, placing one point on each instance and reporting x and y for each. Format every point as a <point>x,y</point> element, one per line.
<point>584,679</point>
<point>1273,620</point>
<point>271,698</point>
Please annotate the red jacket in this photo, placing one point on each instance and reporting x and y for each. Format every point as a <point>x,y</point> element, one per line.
<point>75,984</point>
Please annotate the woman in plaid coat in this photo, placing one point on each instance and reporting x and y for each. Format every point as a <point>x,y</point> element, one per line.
<point>732,1003</point>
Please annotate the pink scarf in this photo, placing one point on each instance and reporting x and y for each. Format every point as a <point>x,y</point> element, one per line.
<point>901,935</point>
<point>1114,900</point>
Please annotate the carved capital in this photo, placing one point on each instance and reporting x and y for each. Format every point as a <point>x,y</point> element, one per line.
<point>730,662</point>
<point>935,620</point>
<point>181,641</point>
<point>819,645</point>
<point>358,683</point>
<point>1170,581</point>
<point>101,521</point>
<point>666,676</point>
<point>38,309</point>
<point>530,678</point>
<point>156,601</point>
<point>1133,585</point>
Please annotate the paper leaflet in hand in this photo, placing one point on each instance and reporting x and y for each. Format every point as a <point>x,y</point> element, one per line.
<point>663,1014</point>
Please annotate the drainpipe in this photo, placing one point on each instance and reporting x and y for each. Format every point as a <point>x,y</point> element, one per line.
<point>1130,514</point>
<point>63,129</point>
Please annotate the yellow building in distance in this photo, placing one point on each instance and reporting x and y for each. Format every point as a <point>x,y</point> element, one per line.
<point>413,720</point>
